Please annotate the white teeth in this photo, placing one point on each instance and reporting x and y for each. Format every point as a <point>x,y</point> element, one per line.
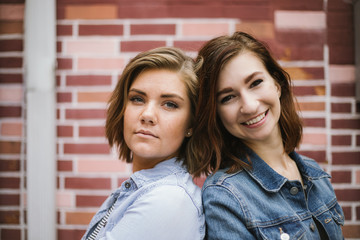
<point>255,120</point>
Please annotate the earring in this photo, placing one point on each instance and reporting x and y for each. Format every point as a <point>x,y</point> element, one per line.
<point>188,134</point>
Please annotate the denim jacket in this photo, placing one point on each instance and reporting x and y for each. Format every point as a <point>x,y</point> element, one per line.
<point>158,203</point>
<point>261,204</point>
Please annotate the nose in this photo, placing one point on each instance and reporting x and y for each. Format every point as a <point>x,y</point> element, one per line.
<point>248,104</point>
<point>149,115</point>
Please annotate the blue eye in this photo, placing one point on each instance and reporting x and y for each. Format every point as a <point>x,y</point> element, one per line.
<point>256,83</point>
<point>136,99</point>
<point>171,105</point>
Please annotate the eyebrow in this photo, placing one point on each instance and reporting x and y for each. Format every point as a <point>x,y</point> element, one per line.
<point>167,95</point>
<point>229,89</point>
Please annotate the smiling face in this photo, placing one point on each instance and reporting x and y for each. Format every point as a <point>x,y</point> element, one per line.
<point>157,117</point>
<point>248,100</point>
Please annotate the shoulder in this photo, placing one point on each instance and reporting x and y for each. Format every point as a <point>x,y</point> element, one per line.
<point>222,178</point>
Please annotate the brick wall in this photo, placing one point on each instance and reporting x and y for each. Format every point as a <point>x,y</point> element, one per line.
<point>313,40</point>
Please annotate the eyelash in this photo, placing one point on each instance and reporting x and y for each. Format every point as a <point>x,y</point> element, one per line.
<point>167,104</point>
<point>256,83</point>
<point>229,97</point>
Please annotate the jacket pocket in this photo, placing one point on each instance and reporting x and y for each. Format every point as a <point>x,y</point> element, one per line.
<point>337,214</point>
<point>285,230</point>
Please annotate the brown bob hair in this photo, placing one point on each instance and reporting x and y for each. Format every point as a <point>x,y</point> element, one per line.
<point>168,58</point>
<point>212,146</point>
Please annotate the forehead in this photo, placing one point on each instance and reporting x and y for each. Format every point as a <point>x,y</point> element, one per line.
<point>159,80</point>
<point>240,66</point>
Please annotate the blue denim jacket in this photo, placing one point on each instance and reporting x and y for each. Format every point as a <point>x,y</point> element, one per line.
<point>261,204</point>
<point>158,203</point>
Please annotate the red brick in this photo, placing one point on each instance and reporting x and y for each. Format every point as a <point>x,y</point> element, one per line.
<point>301,37</point>
<point>10,182</point>
<point>70,234</point>
<point>102,30</point>
<point>7,147</point>
<point>351,231</point>
<point>341,140</point>
<point>152,29</point>
<point>298,52</point>
<point>64,63</point>
<point>341,54</point>
<point>58,47</point>
<point>347,212</point>
<point>345,124</point>
<point>139,46</point>
<point>306,5</point>
<point>340,36</point>
<point>11,62</point>
<point>86,148</point>
<point>87,183</point>
<point>346,158</point>
<point>11,78</point>
<point>64,30</point>
<point>64,131</point>
<point>348,194</point>
<point>311,90</point>
<point>89,201</point>
<point>314,122</point>
<point>9,199</point>
<point>10,234</point>
<point>9,217</point>
<point>92,131</point>
<point>339,5</point>
<point>11,27</point>
<point>341,107</point>
<point>88,80</point>
<point>9,165</point>
<point>358,107</point>
<point>193,46</point>
<point>341,176</point>
<point>64,165</point>
<point>358,140</point>
<point>85,113</point>
<point>336,20</point>
<point>358,213</point>
<point>305,73</point>
<point>318,156</point>
<point>343,90</point>
<point>63,97</point>
<point>11,45</point>
<point>10,111</point>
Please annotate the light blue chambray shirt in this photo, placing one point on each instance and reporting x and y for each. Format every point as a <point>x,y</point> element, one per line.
<point>158,203</point>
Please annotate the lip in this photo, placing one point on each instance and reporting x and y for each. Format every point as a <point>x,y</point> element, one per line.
<point>145,133</point>
<point>254,122</point>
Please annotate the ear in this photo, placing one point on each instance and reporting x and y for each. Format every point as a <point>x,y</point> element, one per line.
<point>278,89</point>
<point>189,132</point>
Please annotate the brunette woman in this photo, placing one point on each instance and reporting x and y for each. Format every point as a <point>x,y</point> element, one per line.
<point>149,121</point>
<point>247,129</point>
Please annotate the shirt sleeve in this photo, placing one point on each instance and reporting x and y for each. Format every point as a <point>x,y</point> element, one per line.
<point>166,212</point>
<point>223,215</point>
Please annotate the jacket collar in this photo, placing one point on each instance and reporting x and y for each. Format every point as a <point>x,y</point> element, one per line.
<point>271,181</point>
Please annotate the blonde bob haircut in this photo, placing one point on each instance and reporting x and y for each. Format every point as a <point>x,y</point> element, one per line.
<point>167,58</point>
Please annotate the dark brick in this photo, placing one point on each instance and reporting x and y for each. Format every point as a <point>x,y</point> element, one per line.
<point>341,107</point>
<point>11,78</point>
<point>11,45</point>
<point>153,29</point>
<point>64,63</point>
<point>11,62</point>
<point>10,234</point>
<point>314,122</point>
<point>345,124</point>
<point>10,111</point>
<point>70,234</point>
<point>103,30</point>
<point>64,165</point>
<point>318,156</point>
<point>348,194</point>
<point>343,90</point>
<point>9,217</point>
<point>341,176</point>
<point>341,140</point>
<point>9,165</point>
<point>64,30</point>
<point>346,158</point>
<point>9,199</point>
<point>88,80</point>
<point>306,5</point>
<point>139,46</point>
<point>10,182</point>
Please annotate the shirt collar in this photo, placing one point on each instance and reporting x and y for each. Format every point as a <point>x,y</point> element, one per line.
<point>161,170</point>
<point>271,181</point>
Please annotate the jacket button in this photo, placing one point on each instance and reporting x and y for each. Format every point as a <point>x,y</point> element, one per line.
<point>312,227</point>
<point>294,190</point>
<point>127,185</point>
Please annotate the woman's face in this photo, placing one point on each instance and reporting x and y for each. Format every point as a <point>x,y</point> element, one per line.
<point>248,101</point>
<point>157,117</point>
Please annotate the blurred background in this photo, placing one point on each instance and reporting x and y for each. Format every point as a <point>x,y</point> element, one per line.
<point>60,60</point>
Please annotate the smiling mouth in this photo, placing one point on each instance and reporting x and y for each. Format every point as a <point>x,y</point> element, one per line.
<point>256,119</point>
